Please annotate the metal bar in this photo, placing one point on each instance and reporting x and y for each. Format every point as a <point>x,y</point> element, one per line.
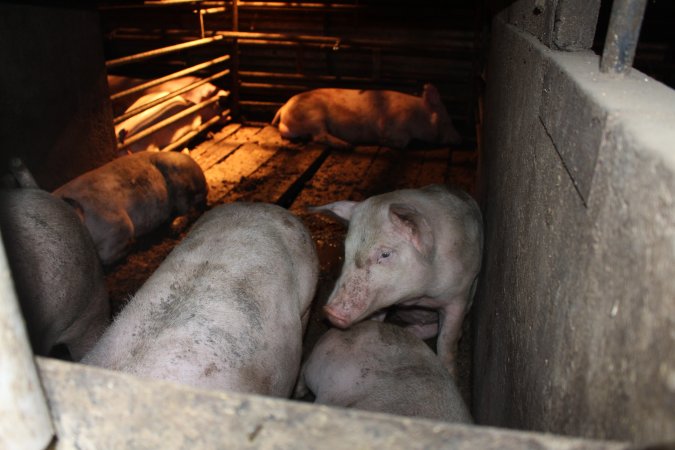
<point>462,43</point>
<point>215,10</point>
<point>622,36</point>
<point>168,121</point>
<point>235,61</point>
<point>299,6</point>
<point>338,42</point>
<point>189,136</point>
<point>169,96</point>
<point>160,51</point>
<point>148,5</point>
<point>25,421</point>
<point>201,23</point>
<point>173,76</point>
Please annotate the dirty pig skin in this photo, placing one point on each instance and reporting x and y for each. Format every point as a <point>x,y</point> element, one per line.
<point>343,118</point>
<point>411,247</point>
<point>56,272</point>
<point>132,195</point>
<point>381,367</point>
<point>226,309</point>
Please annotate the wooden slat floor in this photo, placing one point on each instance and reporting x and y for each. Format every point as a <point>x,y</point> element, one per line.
<point>253,163</point>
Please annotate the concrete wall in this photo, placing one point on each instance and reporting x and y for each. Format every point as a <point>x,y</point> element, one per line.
<point>574,326</point>
<point>56,112</point>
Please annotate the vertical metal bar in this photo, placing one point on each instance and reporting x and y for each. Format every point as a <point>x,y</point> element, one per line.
<point>622,36</point>
<point>24,415</point>
<point>201,22</point>
<point>234,104</point>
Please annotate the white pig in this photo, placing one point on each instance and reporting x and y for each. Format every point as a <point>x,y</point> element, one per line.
<point>226,309</point>
<point>411,247</point>
<point>164,136</point>
<point>343,118</point>
<point>132,195</point>
<point>56,273</point>
<point>383,368</point>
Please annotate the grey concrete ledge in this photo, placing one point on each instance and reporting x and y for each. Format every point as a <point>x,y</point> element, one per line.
<point>94,408</point>
<point>581,107</point>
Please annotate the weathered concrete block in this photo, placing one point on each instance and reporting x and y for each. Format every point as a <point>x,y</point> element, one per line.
<point>575,312</point>
<point>575,124</point>
<point>575,22</point>
<point>561,24</point>
<point>537,17</point>
<point>95,409</point>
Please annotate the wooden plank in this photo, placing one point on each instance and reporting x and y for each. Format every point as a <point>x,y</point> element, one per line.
<point>210,152</point>
<point>222,177</point>
<point>336,178</point>
<point>272,179</point>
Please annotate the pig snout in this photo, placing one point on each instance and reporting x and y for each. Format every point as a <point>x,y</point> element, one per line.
<point>349,301</point>
<point>335,317</point>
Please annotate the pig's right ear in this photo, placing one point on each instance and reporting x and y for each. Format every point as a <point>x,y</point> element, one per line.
<point>341,210</point>
<point>414,226</point>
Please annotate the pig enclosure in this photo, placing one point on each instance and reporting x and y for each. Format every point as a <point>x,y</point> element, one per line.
<point>573,320</point>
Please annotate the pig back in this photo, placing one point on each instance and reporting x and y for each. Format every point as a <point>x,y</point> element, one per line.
<point>56,271</point>
<point>380,367</point>
<point>224,309</point>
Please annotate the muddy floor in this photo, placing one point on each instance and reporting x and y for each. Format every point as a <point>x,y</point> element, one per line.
<point>252,163</point>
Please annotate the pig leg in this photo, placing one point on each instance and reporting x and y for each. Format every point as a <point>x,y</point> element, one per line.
<point>450,329</point>
<point>328,139</point>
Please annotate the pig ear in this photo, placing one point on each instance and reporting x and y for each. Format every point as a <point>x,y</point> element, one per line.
<point>431,97</point>
<point>341,210</point>
<point>409,222</point>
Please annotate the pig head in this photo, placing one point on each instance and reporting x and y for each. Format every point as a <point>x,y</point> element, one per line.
<point>414,247</point>
<point>343,118</point>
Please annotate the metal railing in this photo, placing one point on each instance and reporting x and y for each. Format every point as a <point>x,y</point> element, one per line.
<point>143,56</point>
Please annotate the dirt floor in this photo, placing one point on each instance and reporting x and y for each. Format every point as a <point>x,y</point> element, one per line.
<point>252,163</point>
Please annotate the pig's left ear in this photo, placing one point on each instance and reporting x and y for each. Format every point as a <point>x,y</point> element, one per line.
<point>414,226</point>
<point>431,97</point>
<point>341,210</point>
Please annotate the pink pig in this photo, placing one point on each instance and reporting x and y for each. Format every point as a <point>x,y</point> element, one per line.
<point>343,118</point>
<point>417,248</point>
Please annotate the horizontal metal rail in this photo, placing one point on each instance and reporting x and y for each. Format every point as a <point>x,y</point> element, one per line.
<point>460,42</point>
<point>336,43</point>
<point>622,36</point>
<point>160,51</point>
<point>169,96</point>
<point>299,6</point>
<point>173,76</point>
<point>150,5</point>
<point>189,136</point>
<point>168,121</point>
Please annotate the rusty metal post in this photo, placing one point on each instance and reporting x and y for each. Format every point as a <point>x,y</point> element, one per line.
<point>234,103</point>
<point>622,36</point>
<point>25,422</point>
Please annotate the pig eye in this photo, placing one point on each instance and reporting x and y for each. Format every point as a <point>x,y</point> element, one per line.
<point>383,255</point>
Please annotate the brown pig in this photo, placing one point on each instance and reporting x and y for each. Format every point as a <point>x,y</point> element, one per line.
<point>56,273</point>
<point>132,195</point>
<point>343,118</point>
